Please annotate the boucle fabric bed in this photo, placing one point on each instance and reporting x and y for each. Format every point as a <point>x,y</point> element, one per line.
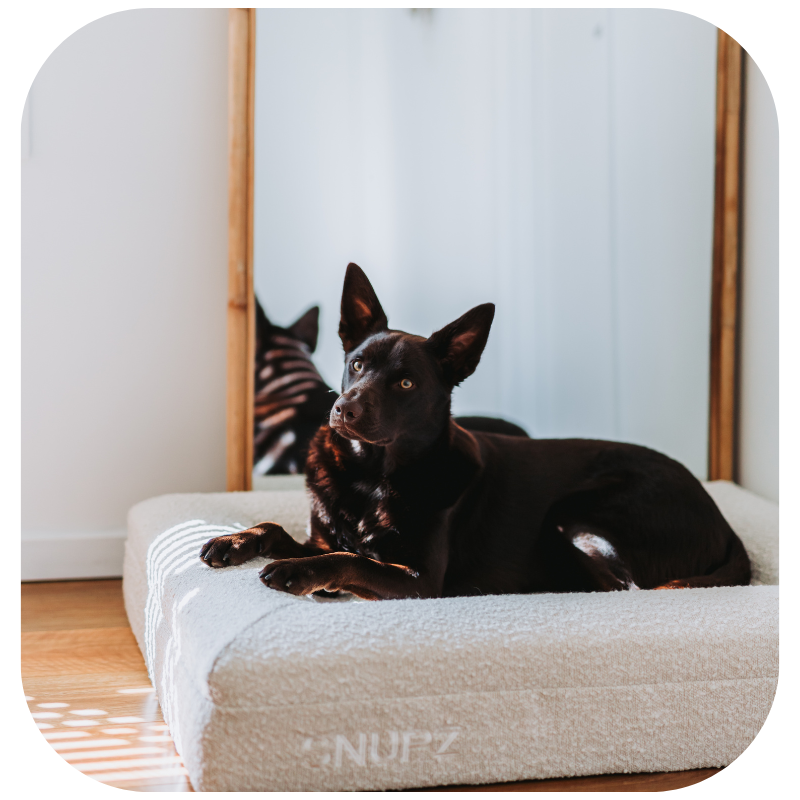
<point>266,691</point>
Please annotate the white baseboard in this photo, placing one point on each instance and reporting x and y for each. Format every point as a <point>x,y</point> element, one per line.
<point>65,556</point>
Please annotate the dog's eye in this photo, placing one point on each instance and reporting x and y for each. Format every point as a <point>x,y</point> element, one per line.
<point>358,366</point>
<point>406,383</point>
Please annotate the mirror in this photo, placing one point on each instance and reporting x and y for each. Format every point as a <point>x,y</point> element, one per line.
<point>559,163</point>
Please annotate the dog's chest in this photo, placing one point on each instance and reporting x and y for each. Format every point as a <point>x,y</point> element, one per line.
<point>371,517</point>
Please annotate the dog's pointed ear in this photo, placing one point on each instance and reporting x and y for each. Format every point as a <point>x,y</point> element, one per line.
<point>362,314</point>
<point>263,326</point>
<point>459,345</point>
<point>306,329</point>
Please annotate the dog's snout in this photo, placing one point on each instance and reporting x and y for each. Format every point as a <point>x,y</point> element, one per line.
<point>348,410</point>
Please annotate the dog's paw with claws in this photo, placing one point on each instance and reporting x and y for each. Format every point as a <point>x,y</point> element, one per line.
<point>292,576</point>
<point>230,550</point>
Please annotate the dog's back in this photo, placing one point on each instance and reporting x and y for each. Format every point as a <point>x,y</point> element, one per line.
<point>508,528</point>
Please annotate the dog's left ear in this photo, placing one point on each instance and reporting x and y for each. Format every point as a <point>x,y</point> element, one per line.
<point>459,345</point>
<point>362,314</point>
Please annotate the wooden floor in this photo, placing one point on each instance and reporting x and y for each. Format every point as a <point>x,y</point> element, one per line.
<point>87,689</point>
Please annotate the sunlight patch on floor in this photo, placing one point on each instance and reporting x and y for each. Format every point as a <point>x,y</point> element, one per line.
<point>131,749</point>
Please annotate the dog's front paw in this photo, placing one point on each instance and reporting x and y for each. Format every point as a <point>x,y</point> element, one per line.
<point>231,550</point>
<point>292,576</point>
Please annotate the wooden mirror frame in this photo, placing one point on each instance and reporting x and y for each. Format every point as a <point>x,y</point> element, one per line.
<point>241,297</point>
<point>722,418</point>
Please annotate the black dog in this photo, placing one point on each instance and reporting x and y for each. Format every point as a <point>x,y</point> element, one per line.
<point>406,503</point>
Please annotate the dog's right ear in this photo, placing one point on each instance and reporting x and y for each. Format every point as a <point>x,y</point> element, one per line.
<point>362,314</point>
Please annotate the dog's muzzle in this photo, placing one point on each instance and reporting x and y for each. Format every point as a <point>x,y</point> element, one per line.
<point>346,410</point>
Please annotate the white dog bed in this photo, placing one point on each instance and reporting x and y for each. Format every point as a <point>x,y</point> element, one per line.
<point>266,691</point>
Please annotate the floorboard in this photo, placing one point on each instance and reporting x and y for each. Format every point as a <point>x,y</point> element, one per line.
<point>72,605</point>
<point>87,688</point>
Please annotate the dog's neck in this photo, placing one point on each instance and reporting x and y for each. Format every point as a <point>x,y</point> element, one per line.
<point>404,451</point>
<point>434,474</point>
<point>447,462</point>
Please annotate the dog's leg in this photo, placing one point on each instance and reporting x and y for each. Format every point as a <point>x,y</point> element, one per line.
<point>266,539</point>
<point>348,572</point>
<point>598,557</point>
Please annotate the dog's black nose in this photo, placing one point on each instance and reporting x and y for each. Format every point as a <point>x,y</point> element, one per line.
<point>348,410</point>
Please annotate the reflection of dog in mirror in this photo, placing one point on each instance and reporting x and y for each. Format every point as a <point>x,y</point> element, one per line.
<point>406,503</point>
<point>291,398</point>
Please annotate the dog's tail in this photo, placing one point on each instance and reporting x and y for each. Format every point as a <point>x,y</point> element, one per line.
<point>734,571</point>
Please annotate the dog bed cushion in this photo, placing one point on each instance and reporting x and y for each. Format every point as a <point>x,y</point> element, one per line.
<point>265,691</point>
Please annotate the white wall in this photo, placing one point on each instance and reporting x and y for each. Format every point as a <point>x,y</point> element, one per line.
<point>758,379</point>
<point>124,281</point>
<point>557,162</point>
